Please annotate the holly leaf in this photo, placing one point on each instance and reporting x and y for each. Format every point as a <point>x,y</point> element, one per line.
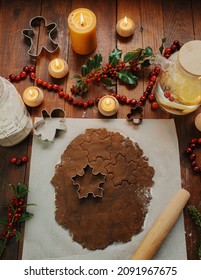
<point>90,65</point>
<point>21,190</point>
<point>162,45</point>
<point>108,82</point>
<point>148,52</point>
<point>84,87</point>
<point>115,56</point>
<point>76,77</point>
<point>127,77</point>
<point>97,61</point>
<point>130,56</point>
<point>17,235</point>
<point>79,83</point>
<point>25,216</point>
<point>84,70</point>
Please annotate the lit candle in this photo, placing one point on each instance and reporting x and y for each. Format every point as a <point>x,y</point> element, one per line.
<point>32,96</point>
<point>125,27</point>
<point>58,68</point>
<point>108,105</point>
<point>82,28</point>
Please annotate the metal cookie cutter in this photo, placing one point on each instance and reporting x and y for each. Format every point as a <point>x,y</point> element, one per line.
<point>89,182</point>
<point>47,127</point>
<point>30,34</point>
<point>135,115</point>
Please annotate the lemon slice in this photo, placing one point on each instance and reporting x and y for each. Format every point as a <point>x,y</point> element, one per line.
<point>188,96</point>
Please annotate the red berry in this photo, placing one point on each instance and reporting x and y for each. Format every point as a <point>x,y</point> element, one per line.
<point>167,51</point>
<point>167,94</point>
<point>153,78</point>
<point>17,78</point>
<point>189,150</point>
<point>24,159</point>
<point>12,77</point>
<point>26,68</point>
<point>13,160</point>
<point>152,97</point>
<point>157,70</point>
<point>32,75</point>
<point>49,86</point>
<point>32,69</point>
<point>44,84</point>
<point>192,157</point>
<point>173,48</point>
<point>23,74</point>
<point>55,87</point>
<point>196,169</point>
<point>39,81</point>
<point>91,102</point>
<point>154,105</point>
<point>199,140</point>
<point>85,105</point>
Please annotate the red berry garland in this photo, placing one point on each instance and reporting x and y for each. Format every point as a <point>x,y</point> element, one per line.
<point>147,95</point>
<point>195,143</point>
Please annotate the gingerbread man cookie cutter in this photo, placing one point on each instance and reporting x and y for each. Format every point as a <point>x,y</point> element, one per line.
<point>50,123</point>
<point>29,35</point>
<point>135,115</point>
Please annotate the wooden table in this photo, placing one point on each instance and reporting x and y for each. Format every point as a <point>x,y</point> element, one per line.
<point>155,19</point>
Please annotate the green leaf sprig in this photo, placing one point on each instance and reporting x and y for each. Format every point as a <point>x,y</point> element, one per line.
<point>16,214</point>
<point>124,70</point>
<point>196,216</point>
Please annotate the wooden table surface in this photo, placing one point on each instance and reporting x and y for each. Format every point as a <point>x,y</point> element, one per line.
<point>155,19</point>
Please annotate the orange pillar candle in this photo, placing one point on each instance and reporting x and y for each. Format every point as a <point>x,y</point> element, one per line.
<point>58,68</point>
<point>108,105</point>
<point>82,28</point>
<point>125,27</point>
<point>33,96</point>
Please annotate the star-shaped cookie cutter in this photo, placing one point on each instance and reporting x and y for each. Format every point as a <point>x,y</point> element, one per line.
<point>29,34</point>
<point>135,112</point>
<point>46,128</point>
<point>100,179</point>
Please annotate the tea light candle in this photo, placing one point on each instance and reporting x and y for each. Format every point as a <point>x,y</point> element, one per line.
<point>82,28</point>
<point>198,121</point>
<point>33,96</point>
<point>58,68</point>
<point>125,27</point>
<point>108,105</point>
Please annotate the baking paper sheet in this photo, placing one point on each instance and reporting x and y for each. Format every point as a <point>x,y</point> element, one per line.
<point>45,239</point>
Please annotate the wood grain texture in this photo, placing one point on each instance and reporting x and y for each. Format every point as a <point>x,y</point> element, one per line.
<point>154,20</point>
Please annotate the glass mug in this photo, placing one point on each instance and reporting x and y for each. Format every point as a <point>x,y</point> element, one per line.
<point>15,121</point>
<point>178,90</point>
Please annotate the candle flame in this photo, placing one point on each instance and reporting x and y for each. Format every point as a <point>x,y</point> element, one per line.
<point>57,63</point>
<point>107,101</point>
<point>125,21</point>
<point>81,19</point>
<point>31,93</point>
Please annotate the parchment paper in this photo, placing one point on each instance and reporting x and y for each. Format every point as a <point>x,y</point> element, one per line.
<point>45,239</point>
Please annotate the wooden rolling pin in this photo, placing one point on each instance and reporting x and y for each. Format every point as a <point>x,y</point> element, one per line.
<point>161,227</point>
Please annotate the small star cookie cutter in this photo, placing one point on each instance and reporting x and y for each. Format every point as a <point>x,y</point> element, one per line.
<point>46,128</point>
<point>96,189</point>
<point>29,34</point>
<point>135,112</point>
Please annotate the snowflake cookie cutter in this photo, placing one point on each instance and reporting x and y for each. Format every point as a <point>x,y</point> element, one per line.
<point>94,188</point>
<point>135,115</point>
<point>47,127</point>
<point>29,35</point>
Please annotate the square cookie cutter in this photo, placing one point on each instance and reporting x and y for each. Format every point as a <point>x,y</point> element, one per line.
<point>29,34</point>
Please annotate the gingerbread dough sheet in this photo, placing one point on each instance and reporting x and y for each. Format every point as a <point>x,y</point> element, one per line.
<point>45,239</point>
